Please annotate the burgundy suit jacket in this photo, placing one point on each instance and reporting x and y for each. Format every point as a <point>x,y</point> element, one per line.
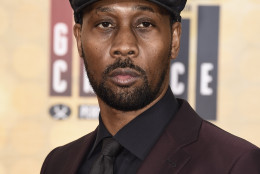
<point>189,145</point>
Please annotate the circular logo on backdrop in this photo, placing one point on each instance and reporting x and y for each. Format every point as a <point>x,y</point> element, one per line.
<point>60,111</point>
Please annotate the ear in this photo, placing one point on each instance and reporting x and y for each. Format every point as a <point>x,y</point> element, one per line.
<point>77,33</point>
<point>176,37</point>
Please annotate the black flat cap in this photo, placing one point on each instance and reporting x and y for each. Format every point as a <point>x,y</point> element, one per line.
<point>173,6</point>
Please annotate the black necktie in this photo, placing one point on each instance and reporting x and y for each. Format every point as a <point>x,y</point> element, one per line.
<point>105,161</point>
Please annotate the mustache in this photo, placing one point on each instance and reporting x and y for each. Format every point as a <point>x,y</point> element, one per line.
<point>124,63</point>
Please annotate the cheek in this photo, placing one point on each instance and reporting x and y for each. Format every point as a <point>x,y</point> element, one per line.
<point>94,59</point>
<point>157,60</point>
<point>158,54</point>
<point>96,53</point>
<point>93,47</point>
<point>95,42</point>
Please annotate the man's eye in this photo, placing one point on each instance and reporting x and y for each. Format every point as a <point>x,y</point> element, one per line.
<point>105,25</point>
<point>144,25</point>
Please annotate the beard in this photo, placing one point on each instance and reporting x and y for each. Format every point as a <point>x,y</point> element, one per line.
<point>125,98</point>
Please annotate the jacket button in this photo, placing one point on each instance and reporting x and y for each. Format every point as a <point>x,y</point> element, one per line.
<point>173,164</point>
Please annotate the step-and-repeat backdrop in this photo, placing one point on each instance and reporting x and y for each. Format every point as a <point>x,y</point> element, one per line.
<point>46,99</point>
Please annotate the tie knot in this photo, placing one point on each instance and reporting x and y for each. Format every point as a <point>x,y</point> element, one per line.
<point>110,147</point>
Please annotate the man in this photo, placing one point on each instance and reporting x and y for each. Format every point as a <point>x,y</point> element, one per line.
<point>127,46</point>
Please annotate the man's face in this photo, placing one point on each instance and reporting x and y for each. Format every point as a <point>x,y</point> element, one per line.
<point>126,46</point>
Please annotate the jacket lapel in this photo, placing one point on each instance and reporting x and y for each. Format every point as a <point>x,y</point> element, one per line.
<point>82,151</point>
<point>168,156</point>
<point>76,153</point>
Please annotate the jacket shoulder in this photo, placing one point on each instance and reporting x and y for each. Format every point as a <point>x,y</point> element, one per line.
<point>76,143</point>
<point>248,162</point>
<point>213,150</point>
<point>224,152</point>
<point>213,134</point>
<point>59,160</point>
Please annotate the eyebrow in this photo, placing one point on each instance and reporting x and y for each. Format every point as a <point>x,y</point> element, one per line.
<point>143,8</point>
<point>104,9</point>
<point>138,7</point>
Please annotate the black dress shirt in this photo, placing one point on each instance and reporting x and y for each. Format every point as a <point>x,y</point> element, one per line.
<point>137,138</point>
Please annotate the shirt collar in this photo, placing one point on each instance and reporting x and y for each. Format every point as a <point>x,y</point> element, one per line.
<point>140,135</point>
<point>102,133</point>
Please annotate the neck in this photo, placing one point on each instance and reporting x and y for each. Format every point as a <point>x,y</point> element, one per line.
<point>115,119</point>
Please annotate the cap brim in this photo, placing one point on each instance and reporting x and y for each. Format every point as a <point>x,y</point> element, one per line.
<point>79,9</point>
<point>173,11</point>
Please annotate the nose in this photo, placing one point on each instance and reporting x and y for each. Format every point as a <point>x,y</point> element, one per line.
<point>124,44</point>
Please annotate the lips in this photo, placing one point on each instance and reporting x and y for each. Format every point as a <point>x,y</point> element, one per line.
<point>124,77</point>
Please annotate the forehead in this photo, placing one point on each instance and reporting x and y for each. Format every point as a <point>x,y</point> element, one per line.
<point>134,5</point>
